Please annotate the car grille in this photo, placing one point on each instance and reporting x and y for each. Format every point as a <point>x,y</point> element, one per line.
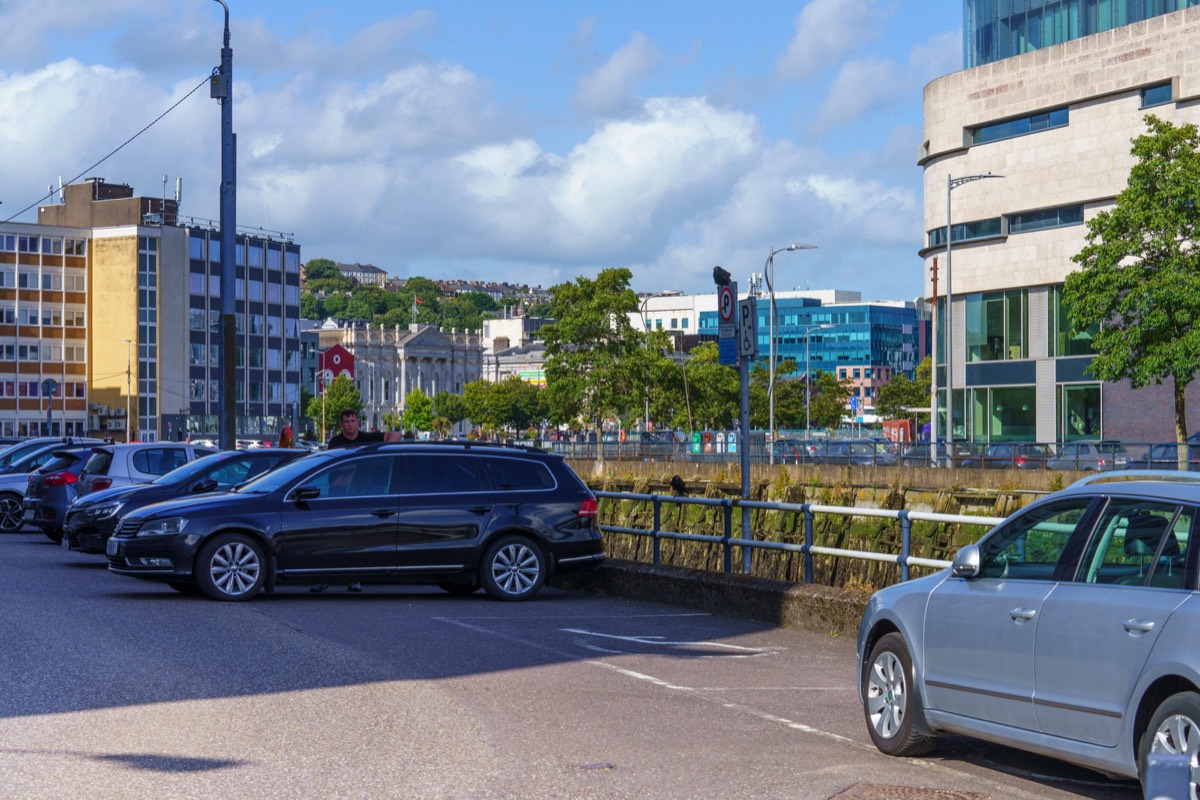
<point>129,527</point>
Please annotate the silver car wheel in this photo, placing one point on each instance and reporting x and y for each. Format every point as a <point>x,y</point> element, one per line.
<point>516,568</point>
<point>12,514</point>
<point>886,694</point>
<point>235,568</point>
<point>1179,734</point>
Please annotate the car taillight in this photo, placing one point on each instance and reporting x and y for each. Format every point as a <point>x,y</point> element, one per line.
<point>60,479</point>
<point>1020,461</point>
<point>101,483</point>
<point>588,508</point>
<point>1102,462</point>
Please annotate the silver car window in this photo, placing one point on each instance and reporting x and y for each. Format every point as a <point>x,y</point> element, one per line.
<point>1030,546</point>
<point>1138,543</point>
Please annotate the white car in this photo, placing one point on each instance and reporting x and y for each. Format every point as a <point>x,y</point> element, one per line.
<point>114,465</point>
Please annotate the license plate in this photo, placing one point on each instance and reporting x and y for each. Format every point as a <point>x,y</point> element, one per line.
<point>113,547</point>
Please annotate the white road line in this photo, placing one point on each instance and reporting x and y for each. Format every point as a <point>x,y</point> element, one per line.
<point>660,641</point>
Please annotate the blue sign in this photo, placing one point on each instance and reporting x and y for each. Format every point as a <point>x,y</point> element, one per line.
<point>854,402</point>
<point>727,351</point>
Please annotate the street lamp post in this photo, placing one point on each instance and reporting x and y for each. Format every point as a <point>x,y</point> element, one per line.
<point>808,381</point>
<point>769,274</point>
<point>221,90</point>
<point>128,388</point>
<point>951,184</point>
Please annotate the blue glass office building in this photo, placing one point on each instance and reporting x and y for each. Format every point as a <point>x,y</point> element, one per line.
<point>996,29</point>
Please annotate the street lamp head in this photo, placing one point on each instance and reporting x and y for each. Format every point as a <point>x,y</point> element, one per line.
<point>721,276</point>
<point>798,246</point>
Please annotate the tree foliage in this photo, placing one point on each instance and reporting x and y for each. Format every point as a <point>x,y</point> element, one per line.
<point>418,412</point>
<point>830,400</point>
<point>713,388</point>
<point>901,393</point>
<point>340,395</point>
<point>1138,286</point>
<point>592,362</point>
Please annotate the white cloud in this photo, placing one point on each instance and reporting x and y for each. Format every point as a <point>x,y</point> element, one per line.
<point>609,90</point>
<point>827,31</point>
<point>860,87</point>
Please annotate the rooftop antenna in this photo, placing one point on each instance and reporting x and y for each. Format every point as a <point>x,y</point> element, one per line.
<point>61,196</point>
<point>164,191</point>
<point>178,191</point>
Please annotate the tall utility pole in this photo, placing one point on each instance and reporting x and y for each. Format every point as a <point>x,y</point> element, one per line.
<point>221,89</point>
<point>128,389</point>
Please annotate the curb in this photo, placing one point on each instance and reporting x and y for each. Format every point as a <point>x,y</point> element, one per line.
<point>822,609</point>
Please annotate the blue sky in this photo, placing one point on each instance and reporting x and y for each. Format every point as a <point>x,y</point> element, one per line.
<point>524,141</point>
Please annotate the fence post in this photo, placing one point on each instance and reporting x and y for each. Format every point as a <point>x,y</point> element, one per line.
<point>808,544</point>
<point>727,507</point>
<point>657,527</point>
<point>905,544</point>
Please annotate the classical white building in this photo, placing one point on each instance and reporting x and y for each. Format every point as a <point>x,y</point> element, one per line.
<point>1056,123</point>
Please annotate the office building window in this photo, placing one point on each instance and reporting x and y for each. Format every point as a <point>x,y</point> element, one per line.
<point>1062,341</point>
<point>967,231</point>
<point>998,326</point>
<point>1046,218</point>
<point>1156,95</point>
<point>1079,411</point>
<point>1009,128</point>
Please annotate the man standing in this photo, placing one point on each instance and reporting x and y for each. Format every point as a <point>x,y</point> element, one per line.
<point>351,436</point>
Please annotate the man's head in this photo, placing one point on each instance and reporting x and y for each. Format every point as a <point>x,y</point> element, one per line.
<point>349,423</point>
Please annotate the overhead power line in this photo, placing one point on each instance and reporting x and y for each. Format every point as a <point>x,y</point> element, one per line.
<point>118,149</point>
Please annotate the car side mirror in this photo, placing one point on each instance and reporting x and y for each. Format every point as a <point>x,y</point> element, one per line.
<point>966,561</point>
<point>305,493</point>
<point>202,486</point>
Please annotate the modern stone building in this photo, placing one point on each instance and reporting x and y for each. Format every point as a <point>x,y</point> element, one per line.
<point>1056,122</point>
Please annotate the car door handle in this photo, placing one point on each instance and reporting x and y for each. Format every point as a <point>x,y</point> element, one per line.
<point>479,509</point>
<point>1022,614</point>
<point>1137,625</point>
<point>382,513</point>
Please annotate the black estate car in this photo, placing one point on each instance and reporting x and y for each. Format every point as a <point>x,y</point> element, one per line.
<point>92,518</point>
<point>459,515</point>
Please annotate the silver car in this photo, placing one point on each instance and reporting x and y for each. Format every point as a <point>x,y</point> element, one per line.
<point>1071,630</point>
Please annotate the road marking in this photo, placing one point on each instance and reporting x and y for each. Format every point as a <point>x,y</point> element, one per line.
<point>745,652</point>
<point>932,766</point>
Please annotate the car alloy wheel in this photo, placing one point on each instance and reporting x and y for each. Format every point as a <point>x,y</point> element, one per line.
<point>1175,728</point>
<point>230,567</point>
<point>889,702</point>
<point>513,569</point>
<point>12,513</point>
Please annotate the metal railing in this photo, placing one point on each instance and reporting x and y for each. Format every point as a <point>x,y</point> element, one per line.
<point>728,541</point>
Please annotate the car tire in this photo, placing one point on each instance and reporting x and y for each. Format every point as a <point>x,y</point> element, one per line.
<point>514,568</point>
<point>890,701</point>
<point>459,589</point>
<point>12,513</point>
<point>231,567</point>
<point>1174,727</point>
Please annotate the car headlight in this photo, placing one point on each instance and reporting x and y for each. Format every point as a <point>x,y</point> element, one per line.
<point>163,527</point>
<point>106,510</point>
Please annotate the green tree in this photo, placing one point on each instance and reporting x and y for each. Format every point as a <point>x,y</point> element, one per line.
<point>902,393</point>
<point>1138,286</point>
<point>592,367</point>
<point>789,396</point>
<point>477,403</point>
<point>449,405</point>
<point>517,404</point>
<point>321,269</point>
<point>311,307</point>
<point>340,395</point>
<point>418,412</point>
<point>830,400</point>
<point>713,388</point>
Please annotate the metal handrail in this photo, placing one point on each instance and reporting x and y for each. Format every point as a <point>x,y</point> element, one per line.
<point>904,559</point>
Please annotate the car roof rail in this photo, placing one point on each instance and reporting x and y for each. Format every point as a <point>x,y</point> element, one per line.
<point>1169,475</point>
<point>465,444</point>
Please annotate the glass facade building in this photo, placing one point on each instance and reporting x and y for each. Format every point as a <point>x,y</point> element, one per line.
<point>997,29</point>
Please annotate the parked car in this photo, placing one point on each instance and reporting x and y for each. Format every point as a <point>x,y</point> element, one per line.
<point>918,454</point>
<point>462,516</point>
<point>858,453</point>
<point>51,489</point>
<point>790,451</point>
<point>14,480</point>
<point>1166,456</point>
<point>1089,456</point>
<point>1070,630</point>
<point>17,451</point>
<point>92,519</point>
<point>114,465</point>
<point>1010,455</point>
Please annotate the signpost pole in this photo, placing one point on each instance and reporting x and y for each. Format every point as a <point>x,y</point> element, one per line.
<point>747,337</point>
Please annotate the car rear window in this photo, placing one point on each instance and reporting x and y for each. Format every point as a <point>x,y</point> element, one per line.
<point>516,475</point>
<point>158,461</point>
<point>99,463</point>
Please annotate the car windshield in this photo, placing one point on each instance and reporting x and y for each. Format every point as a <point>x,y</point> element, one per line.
<point>270,481</point>
<point>188,471</point>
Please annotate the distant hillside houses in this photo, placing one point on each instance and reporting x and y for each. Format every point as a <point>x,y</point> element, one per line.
<point>364,274</point>
<point>529,295</point>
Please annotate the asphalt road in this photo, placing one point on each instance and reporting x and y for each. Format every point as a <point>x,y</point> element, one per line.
<point>114,688</point>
